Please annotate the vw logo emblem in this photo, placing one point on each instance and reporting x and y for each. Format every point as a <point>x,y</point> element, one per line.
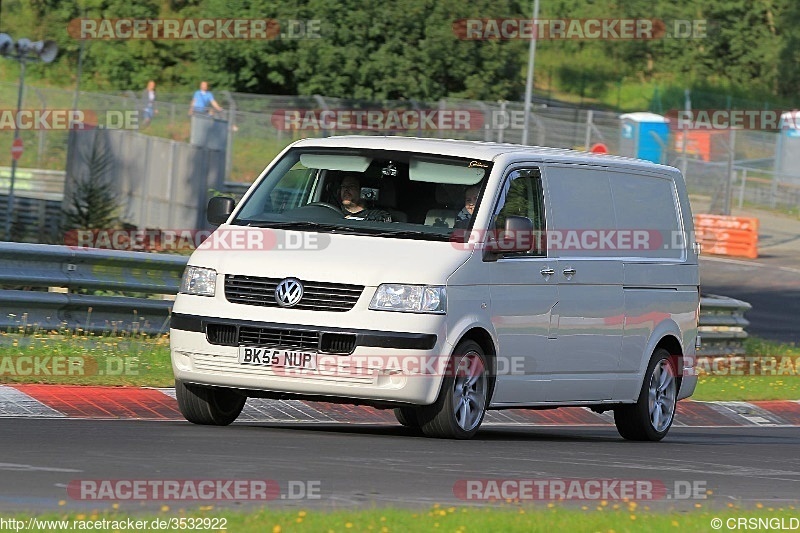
<point>289,292</point>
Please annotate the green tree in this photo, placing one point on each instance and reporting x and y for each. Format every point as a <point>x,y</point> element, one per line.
<point>789,55</point>
<point>93,202</point>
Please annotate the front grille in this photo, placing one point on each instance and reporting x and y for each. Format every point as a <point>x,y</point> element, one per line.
<point>298,339</point>
<point>338,342</point>
<point>283,338</point>
<point>223,334</point>
<point>317,295</point>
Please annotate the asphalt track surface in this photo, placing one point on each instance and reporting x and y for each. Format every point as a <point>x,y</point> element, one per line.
<point>363,466</point>
<point>772,289</point>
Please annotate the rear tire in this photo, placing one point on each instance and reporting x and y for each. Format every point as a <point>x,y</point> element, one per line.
<point>650,418</point>
<point>214,406</point>
<point>461,405</point>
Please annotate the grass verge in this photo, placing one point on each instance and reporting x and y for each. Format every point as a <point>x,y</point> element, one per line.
<point>64,358</point>
<point>768,371</point>
<point>627,517</point>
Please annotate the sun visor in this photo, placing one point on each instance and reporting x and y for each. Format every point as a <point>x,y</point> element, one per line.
<point>348,163</point>
<point>446,172</point>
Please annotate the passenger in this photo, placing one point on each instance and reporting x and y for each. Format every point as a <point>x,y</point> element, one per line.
<point>353,206</point>
<point>470,199</point>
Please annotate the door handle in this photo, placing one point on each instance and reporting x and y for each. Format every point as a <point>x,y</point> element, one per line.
<point>547,271</point>
<point>569,271</point>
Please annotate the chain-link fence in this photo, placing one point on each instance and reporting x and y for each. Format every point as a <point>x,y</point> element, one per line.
<point>733,169</point>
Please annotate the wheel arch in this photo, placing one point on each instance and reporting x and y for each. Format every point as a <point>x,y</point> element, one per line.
<point>671,343</point>
<point>486,342</point>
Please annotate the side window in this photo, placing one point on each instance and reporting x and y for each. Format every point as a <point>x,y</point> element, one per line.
<point>522,196</point>
<point>582,211</point>
<point>645,208</point>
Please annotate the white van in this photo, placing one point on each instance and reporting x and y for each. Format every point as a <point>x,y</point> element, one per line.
<point>442,278</point>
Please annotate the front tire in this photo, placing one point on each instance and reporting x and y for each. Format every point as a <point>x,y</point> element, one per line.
<point>407,416</point>
<point>461,405</point>
<point>212,406</point>
<point>650,418</point>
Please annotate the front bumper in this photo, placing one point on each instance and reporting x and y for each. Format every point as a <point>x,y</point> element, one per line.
<point>384,366</point>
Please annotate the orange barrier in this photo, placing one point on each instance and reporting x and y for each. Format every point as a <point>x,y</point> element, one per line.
<point>726,235</point>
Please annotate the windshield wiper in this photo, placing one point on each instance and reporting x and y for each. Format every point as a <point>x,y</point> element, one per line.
<point>300,225</point>
<point>410,234</point>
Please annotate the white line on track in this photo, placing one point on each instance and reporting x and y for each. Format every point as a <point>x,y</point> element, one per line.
<point>751,264</point>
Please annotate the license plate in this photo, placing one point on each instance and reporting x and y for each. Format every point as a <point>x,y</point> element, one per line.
<point>249,355</point>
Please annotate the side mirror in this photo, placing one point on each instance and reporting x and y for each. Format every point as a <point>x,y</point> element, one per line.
<point>517,236</point>
<point>219,209</point>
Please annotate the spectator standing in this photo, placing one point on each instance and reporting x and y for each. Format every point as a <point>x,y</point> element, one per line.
<point>149,103</point>
<point>203,102</point>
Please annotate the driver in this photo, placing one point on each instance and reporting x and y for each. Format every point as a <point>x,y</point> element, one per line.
<point>353,206</point>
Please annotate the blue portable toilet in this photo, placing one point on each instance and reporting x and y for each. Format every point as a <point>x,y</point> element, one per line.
<point>787,157</point>
<point>644,136</point>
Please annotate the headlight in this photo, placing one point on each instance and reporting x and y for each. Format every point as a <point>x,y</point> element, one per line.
<point>199,281</point>
<point>410,298</point>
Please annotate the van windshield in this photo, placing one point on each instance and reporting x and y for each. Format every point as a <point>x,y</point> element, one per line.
<point>368,192</point>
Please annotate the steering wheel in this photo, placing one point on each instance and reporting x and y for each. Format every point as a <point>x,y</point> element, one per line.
<point>326,204</point>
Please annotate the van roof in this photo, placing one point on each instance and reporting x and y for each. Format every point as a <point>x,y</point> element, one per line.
<point>486,151</point>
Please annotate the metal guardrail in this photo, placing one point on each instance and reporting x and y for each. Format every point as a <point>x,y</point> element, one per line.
<point>722,325</point>
<point>235,189</point>
<point>49,287</point>
<point>55,287</point>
